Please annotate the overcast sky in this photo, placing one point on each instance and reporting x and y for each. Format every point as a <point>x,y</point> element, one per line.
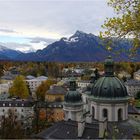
<point>33,24</point>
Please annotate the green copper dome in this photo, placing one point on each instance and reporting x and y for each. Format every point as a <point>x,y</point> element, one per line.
<point>109,86</point>
<point>72,95</point>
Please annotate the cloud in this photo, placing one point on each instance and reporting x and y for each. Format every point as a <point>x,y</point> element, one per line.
<point>17,46</point>
<point>37,40</point>
<point>56,16</point>
<point>43,21</point>
<point>8,31</point>
<point>25,44</point>
<point>40,39</point>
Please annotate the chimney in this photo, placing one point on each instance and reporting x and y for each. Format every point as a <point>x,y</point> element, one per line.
<point>102,128</point>
<point>81,128</point>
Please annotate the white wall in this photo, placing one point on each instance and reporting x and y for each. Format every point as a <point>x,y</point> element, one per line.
<point>112,111</point>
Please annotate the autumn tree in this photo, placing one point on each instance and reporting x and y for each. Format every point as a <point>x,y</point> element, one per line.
<point>19,88</point>
<point>11,128</point>
<point>1,70</point>
<point>126,23</point>
<point>42,89</point>
<point>53,70</point>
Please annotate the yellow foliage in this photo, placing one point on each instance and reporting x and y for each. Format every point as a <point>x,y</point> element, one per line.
<point>42,89</point>
<point>19,88</point>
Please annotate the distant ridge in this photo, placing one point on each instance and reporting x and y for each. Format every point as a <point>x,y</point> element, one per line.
<point>80,47</point>
<point>8,54</point>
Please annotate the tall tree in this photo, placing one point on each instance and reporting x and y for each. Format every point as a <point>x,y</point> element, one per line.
<point>42,89</point>
<point>1,70</point>
<point>53,70</point>
<point>19,88</point>
<point>126,24</point>
<point>11,128</point>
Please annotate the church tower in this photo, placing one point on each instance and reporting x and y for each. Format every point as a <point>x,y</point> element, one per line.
<point>73,105</point>
<point>109,98</point>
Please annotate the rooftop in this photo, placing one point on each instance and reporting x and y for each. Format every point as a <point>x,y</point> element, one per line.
<point>68,130</point>
<point>40,78</point>
<point>132,83</point>
<point>29,77</point>
<point>132,110</point>
<point>55,89</point>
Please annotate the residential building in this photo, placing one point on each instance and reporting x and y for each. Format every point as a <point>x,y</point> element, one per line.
<point>4,96</point>
<point>55,97</point>
<point>22,109</point>
<point>66,73</point>
<point>83,83</point>
<point>4,88</point>
<point>35,83</point>
<point>55,93</point>
<point>133,113</point>
<point>57,111</point>
<point>10,75</point>
<point>133,87</point>
<point>52,111</point>
<point>76,70</point>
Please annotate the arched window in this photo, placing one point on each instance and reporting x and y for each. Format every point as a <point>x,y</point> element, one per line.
<point>105,113</point>
<point>93,112</point>
<point>120,117</point>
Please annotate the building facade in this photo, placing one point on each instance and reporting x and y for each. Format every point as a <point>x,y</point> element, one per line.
<point>34,83</point>
<point>83,84</point>
<point>22,110</point>
<point>133,87</point>
<point>55,93</point>
<point>4,88</point>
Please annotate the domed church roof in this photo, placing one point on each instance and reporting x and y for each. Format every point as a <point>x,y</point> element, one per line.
<point>72,95</point>
<point>109,86</point>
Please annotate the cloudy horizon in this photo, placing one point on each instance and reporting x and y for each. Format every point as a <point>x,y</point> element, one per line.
<point>33,24</point>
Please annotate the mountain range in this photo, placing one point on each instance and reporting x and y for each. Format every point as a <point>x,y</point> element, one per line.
<point>8,54</point>
<point>80,47</point>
